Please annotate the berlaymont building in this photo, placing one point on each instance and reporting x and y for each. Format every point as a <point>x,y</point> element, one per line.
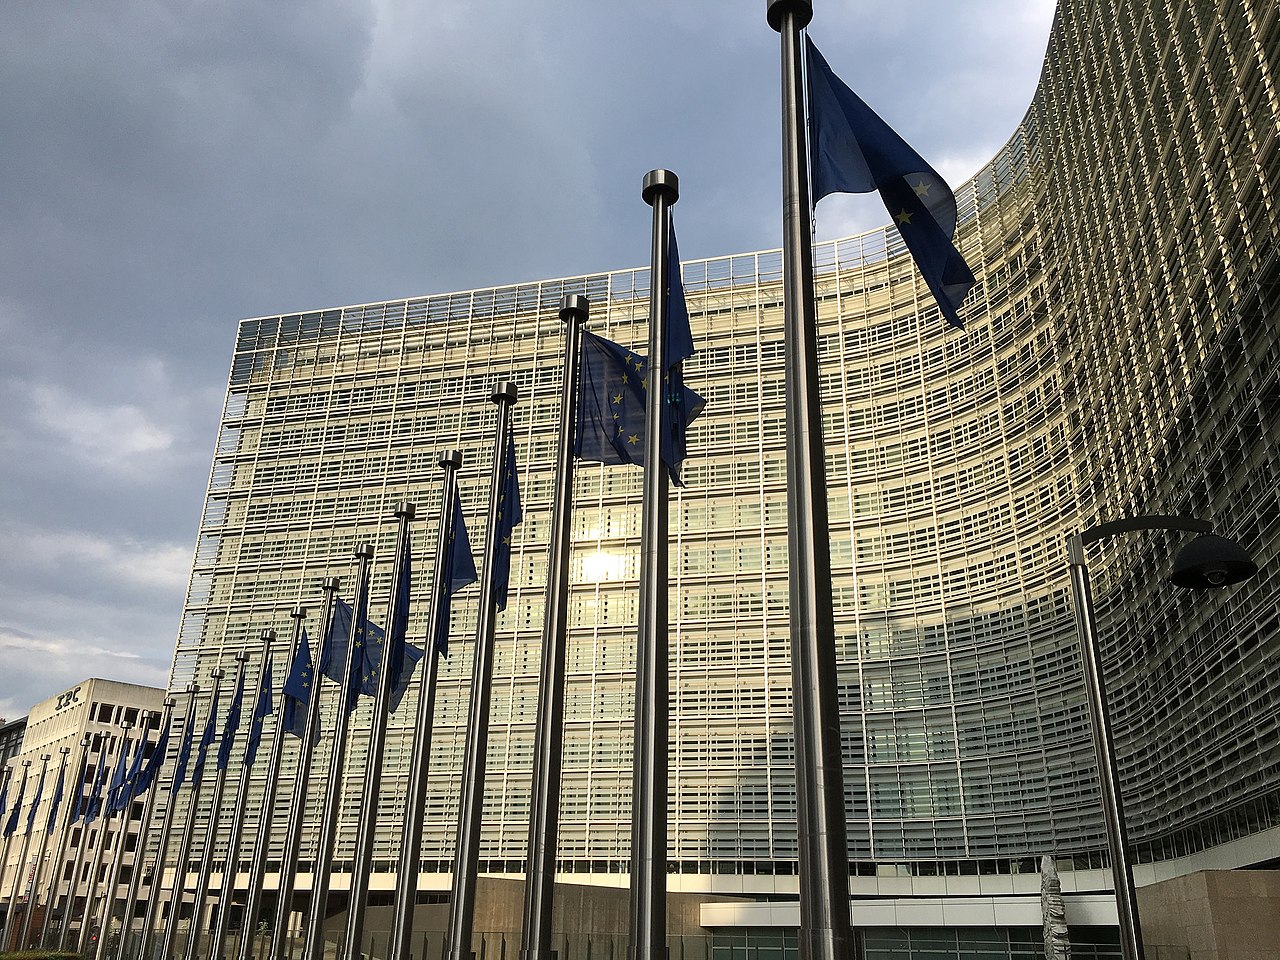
<point>1121,356</point>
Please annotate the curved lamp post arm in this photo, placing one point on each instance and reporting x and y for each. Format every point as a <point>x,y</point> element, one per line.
<point>1076,542</point>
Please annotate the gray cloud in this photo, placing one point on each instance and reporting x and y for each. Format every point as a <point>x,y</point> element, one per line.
<point>172,166</point>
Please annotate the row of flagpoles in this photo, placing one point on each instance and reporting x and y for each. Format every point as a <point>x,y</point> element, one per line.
<point>608,415</point>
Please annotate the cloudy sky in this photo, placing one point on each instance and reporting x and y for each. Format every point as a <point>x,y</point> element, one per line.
<point>168,167</point>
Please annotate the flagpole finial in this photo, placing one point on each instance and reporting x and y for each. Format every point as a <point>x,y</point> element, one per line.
<point>268,634</point>
<point>662,183</point>
<point>241,657</point>
<point>451,458</point>
<point>126,724</point>
<point>217,673</point>
<point>574,304</point>
<point>64,750</point>
<point>778,9</point>
<point>169,702</point>
<point>363,552</point>
<point>46,757</point>
<point>192,687</point>
<point>298,613</point>
<point>406,510</point>
<point>330,584</point>
<point>505,390</point>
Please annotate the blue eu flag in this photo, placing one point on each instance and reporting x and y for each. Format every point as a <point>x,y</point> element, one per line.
<point>118,780</point>
<point>261,710</point>
<point>128,786</point>
<point>4,791</point>
<point>366,659</point>
<point>11,825</point>
<point>93,806</point>
<point>459,571</point>
<point>401,656</point>
<point>147,775</point>
<point>78,804</point>
<point>58,791</point>
<point>207,739</point>
<point>35,802</point>
<point>231,725</point>
<point>509,515</point>
<point>297,689</point>
<point>854,151</point>
<point>613,382</point>
<point>184,754</point>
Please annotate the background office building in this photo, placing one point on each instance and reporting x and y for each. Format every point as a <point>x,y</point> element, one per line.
<point>64,861</point>
<point>1121,356</point>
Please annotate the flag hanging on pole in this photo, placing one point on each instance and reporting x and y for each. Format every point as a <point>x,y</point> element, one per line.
<point>93,805</point>
<point>184,751</point>
<point>509,517</point>
<point>231,725</point>
<point>11,825</point>
<point>78,805</point>
<point>854,151</point>
<point>459,572</point>
<point>4,792</point>
<point>261,710</point>
<point>297,689</point>
<point>58,790</point>
<point>401,655</point>
<point>614,380</point>
<point>35,802</point>
<point>129,786</point>
<point>151,769</point>
<point>207,739</point>
<point>117,779</point>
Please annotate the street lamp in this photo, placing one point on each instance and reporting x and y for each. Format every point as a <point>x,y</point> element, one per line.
<point>1207,562</point>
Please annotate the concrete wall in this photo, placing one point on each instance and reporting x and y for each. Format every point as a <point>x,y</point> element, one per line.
<point>1212,915</point>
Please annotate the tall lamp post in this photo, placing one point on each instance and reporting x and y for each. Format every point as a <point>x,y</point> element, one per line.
<point>1205,563</point>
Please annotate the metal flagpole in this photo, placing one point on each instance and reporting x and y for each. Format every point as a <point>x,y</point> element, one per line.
<point>23,850</point>
<point>648,917</point>
<point>7,774</point>
<point>411,827</point>
<point>139,856</point>
<point>314,944</point>
<point>544,810</point>
<point>44,849</point>
<point>261,843</point>
<point>104,815</point>
<point>24,935</point>
<point>166,834</point>
<point>178,888</point>
<point>117,858</point>
<point>231,867</point>
<point>825,930</point>
<point>298,800</point>
<point>211,829</point>
<point>78,858</point>
<point>466,859</point>
<point>367,814</point>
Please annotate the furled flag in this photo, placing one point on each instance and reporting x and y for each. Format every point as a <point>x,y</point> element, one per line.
<point>11,825</point>
<point>151,769</point>
<point>129,787</point>
<point>184,753</point>
<point>117,781</point>
<point>854,151</point>
<point>79,805</point>
<point>261,711</point>
<point>231,725</point>
<point>297,689</point>
<point>35,802</point>
<point>509,515</point>
<point>56,802</point>
<point>401,655</point>
<point>459,571</point>
<point>6,774</point>
<point>614,381</point>
<point>206,739</point>
<point>93,804</point>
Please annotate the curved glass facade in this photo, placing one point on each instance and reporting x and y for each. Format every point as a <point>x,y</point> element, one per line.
<point>1121,355</point>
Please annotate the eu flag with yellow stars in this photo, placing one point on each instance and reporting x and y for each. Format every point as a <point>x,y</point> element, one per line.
<point>261,710</point>
<point>206,739</point>
<point>509,516</point>
<point>363,661</point>
<point>459,571</point>
<point>613,382</point>
<point>151,769</point>
<point>231,725</point>
<point>853,151</point>
<point>297,689</point>
<point>401,656</point>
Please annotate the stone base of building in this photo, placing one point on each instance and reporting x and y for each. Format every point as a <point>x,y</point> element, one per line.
<point>1212,915</point>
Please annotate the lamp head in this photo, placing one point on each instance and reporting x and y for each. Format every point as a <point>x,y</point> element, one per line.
<point>1211,561</point>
